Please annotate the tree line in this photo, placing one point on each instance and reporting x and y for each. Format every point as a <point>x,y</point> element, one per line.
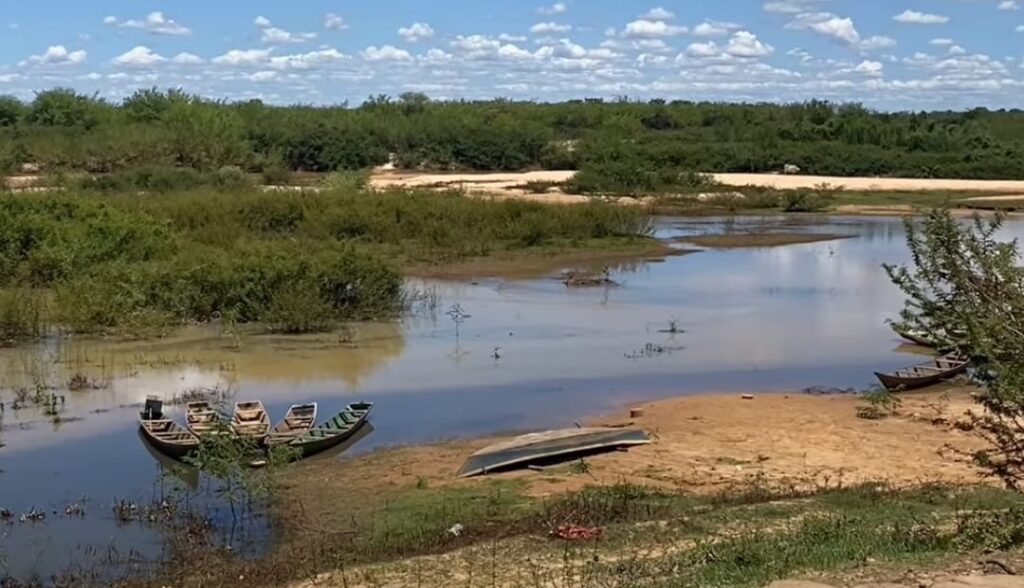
<point>622,144</point>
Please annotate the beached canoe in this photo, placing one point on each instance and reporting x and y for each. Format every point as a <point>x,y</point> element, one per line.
<point>550,446</point>
<point>203,419</point>
<point>299,420</point>
<point>251,421</point>
<point>165,435</point>
<point>925,374</point>
<point>333,431</point>
<point>915,337</point>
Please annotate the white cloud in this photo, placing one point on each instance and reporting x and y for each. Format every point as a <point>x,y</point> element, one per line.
<point>712,28</point>
<point>277,36</point>
<point>262,22</point>
<point>305,61</point>
<point>385,53</point>
<point>709,49</point>
<point>262,76</point>
<point>791,6</point>
<point>869,68</point>
<point>877,42</point>
<point>746,44</point>
<point>550,27</point>
<point>13,26</point>
<point>139,56</point>
<point>155,23</point>
<point>334,22</point>
<point>957,50</point>
<point>1019,29</point>
<point>416,32</point>
<point>651,29</point>
<point>942,42</point>
<point>511,38</point>
<point>1008,5</point>
<point>915,17</point>
<point>658,13</point>
<point>186,58</point>
<point>556,8</point>
<point>827,24</point>
<point>242,57</point>
<point>58,55</point>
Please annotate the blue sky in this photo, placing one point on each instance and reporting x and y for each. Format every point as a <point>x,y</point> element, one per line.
<point>898,54</point>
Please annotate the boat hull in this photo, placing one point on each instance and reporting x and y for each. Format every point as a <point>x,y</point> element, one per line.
<point>910,381</point>
<point>323,438</point>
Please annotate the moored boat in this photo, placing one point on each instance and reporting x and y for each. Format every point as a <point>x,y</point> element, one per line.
<point>299,420</point>
<point>250,420</point>
<point>203,419</point>
<point>333,431</point>
<point>925,374</point>
<point>165,435</point>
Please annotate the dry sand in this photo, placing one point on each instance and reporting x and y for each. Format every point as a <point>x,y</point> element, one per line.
<point>705,444</point>
<point>505,182</point>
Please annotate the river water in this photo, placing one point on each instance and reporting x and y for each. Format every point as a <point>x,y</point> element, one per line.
<point>530,354</point>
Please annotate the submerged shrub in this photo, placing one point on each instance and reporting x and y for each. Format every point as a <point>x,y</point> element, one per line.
<point>21,314</point>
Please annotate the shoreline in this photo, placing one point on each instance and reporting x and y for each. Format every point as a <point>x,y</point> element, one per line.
<point>707,443</point>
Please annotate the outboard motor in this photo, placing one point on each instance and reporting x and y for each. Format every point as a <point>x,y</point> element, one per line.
<point>154,408</point>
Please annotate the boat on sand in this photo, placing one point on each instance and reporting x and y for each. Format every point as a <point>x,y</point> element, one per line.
<point>925,374</point>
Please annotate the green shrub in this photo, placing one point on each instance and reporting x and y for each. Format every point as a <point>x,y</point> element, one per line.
<point>346,181</point>
<point>21,315</point>
<point>803,201</point>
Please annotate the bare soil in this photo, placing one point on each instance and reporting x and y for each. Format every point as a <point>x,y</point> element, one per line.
<point>702,444</point>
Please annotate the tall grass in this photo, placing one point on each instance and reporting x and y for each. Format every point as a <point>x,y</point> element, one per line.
<point>297,261</point>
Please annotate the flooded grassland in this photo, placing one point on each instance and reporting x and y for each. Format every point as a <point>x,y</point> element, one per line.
<point>520,354</point>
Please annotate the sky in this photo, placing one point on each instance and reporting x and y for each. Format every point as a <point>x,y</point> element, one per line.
<point>887,54</point>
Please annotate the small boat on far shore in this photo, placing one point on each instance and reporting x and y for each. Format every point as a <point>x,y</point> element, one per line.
<point>916,337</point>
<point>299,420</point>
<point>925,374</point>
<point>250,420</point>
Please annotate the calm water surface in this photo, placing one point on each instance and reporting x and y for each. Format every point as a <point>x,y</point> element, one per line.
<point>532,354</point>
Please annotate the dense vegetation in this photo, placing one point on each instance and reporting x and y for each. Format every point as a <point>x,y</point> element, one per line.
<point>298,261</point>
<point>623,146</point>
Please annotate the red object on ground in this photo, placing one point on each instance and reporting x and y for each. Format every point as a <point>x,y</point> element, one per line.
<point>578,533</point>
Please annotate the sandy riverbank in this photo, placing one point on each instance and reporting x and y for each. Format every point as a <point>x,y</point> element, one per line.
<point>704,444</point>
<point>504,182</point>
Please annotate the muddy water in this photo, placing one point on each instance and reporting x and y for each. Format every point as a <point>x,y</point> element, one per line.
<point>531,354</point>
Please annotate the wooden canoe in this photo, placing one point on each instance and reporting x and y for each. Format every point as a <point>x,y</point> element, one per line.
<point>299,420</point>
<point>250,420</point>
<point>333,431</point>
<point>915,337</point>
<point>925,374</point>
<point>203,419</point>
<point>167,436</point>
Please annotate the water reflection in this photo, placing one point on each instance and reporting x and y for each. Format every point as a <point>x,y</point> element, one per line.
<point>780,318</point>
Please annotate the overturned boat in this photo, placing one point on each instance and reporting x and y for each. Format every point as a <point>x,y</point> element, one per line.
<point>548,446</point>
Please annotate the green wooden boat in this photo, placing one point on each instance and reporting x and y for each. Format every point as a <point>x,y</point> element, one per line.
<point>333,431</point>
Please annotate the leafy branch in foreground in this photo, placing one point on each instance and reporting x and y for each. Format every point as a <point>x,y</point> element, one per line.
<point>240,464</point>
<point>964,288</point>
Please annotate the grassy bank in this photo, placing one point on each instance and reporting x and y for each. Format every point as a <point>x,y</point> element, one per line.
<point>100,261</point>
<point>746,537</point>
